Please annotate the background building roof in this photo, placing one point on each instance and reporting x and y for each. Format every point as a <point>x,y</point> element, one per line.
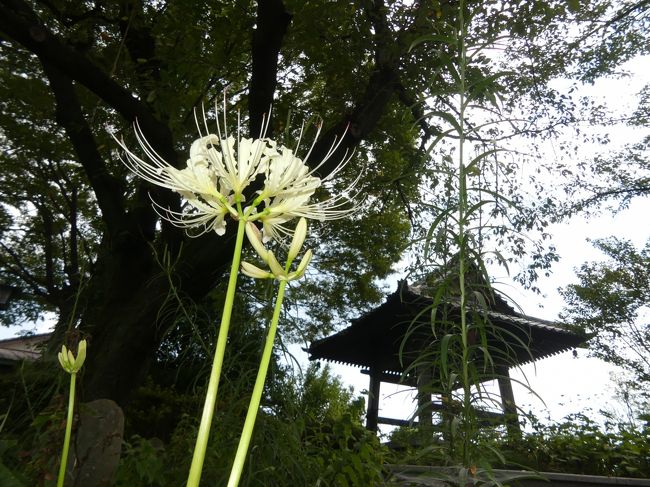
<point>391,336</point>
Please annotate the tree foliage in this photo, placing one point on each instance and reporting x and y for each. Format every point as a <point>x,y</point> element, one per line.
<point>611,302</point>
<point>79,236</point>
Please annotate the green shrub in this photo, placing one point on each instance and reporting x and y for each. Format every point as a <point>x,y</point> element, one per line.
<point>142,464</point>
<point>309,432</point>
<point>577,445</point>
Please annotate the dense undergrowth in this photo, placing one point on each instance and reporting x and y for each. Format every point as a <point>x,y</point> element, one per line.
<point>309,433</point>
<point>576,445</point>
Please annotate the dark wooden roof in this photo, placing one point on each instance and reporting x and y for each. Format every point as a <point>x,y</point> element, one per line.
<point>391,336</point>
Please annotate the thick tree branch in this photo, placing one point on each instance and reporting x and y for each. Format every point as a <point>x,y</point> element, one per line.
<point>72,268</point>
<point>271,26</point>
<point>48,247</point>
<point>69,19</point>
<point>19,22</point>
<point>390,51</point>
<point>380,88</point>
<point>69,115</point>
<point>140,44</point>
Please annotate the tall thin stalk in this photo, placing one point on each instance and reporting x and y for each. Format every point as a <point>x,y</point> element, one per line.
<point>68,431</point>
<point>203,435</point>
<point>466,349</point>
<point>462,209</point>
<point>254,405</point>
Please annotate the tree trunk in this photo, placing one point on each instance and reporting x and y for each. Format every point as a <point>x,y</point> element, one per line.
<point>127,309</point>
<point>121,319</point>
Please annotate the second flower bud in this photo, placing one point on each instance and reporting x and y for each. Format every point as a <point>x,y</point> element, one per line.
<point>276,271</point>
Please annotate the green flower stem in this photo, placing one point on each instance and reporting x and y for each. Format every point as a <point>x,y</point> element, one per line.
<point>251,415</point>
<point>463,245</point>
<point>194,476</point>
<point>68,431</point>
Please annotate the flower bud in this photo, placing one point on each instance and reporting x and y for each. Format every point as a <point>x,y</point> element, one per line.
<point>254,271</point>
<point>81,354</point>
<point>298,239</point>
<point>302,267</point>
<point>255,238</point>
<point>277,270</point>
<point>68,361</point>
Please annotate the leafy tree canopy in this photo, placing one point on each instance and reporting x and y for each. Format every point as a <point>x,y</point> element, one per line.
<point>611,302</point>
<point>79,236</point>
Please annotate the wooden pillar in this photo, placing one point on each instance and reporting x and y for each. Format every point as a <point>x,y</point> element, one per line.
<point>425,411</point>
<point>373,399</point>
<point>508,402</point>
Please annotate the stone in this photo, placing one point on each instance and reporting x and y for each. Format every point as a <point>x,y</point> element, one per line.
<point>98,444</point>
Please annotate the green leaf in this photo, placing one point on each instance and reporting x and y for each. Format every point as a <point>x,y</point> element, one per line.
<point>574,6</point>
<point>432,38</point>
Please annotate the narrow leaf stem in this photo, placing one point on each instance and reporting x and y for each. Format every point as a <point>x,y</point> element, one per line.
<point>194,476</point>
<point>68,431</point>
<point>462,240</point>
<point>251,415</point>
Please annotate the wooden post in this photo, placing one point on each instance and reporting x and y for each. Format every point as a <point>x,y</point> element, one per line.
<point>373,399</point>
<point>508,402</point>
<point>425,412</point>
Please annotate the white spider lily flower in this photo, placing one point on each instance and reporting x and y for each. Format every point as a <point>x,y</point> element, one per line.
<point>197,178</point>
<point>209,215</point>
<point>68,361</point>
<point>289,187</point>
<point>286,172</point>
<point>221,167</point>
<point>207,198</point>
<point>239,161</point>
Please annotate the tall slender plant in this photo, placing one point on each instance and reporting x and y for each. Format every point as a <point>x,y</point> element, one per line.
<point>463,347</point>
<point>72,365</point>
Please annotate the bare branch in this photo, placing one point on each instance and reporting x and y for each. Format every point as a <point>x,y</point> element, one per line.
<point>19,270</point>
